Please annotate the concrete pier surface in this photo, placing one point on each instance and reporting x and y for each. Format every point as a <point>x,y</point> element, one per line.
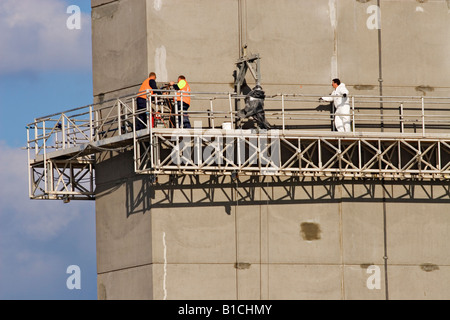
<point>265,237</point>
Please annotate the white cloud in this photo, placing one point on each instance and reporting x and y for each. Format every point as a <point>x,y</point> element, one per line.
<point>40,220</point>
<point>34,37</point>
<point>39,239</point>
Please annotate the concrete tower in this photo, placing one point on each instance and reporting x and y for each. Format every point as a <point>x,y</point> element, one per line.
<point>266,237</point>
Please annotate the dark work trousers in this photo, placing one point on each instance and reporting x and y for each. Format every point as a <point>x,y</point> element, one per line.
<point>186,122</point>
<point>141,105</point>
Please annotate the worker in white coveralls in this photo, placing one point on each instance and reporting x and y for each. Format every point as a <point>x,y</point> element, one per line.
<point>340,99</point>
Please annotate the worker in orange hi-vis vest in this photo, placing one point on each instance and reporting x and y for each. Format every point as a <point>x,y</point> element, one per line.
<point>183,99</point>
<point>146,90</point>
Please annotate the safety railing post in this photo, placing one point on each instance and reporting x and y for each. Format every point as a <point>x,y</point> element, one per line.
<point>30,193</point>
<point>439,164</point>
<point>402,122</point>
<point>353,115</point>
<point>177,120</point>
<point>133,114</point>
<point>231,111</point>
<point>319,149</point>
<point>68,134</point>
<point>212,114</point>
<point>135,145</point>
<point>46,168</point>
<point>148,111</point>
<point>151,135</point>
<point>181,111</point>
<point>97,126</point>
<point>119,122</point>
<point>36,141</point>
<point>125,118</point>
<point>91,125</point>
<point>423,115</point>
<point>56,136</point>
<point>91,177</point>
<point>282,112</point>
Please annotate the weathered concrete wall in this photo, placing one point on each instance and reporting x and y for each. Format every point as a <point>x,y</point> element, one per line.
<point>202,238</point>
<point>214,238</point>
<point>303,43</point>
<point>119,46</point>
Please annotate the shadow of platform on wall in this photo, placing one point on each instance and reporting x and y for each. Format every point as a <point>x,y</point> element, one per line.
<point>144,193</point>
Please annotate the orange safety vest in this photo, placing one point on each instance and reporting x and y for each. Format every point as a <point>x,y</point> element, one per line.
<point>145,86</point>
<point>184,86</point>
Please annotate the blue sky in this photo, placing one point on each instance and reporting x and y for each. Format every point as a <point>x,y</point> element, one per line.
<point>44,68</point>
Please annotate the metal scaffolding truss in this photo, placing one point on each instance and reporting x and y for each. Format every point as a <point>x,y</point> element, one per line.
<point>297,154</point>
<point>409,138</point>
<point>66,180</point>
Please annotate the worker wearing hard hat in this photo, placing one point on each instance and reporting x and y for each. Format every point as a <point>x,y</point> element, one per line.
<point>183,99</point>
<point>339,97</point>
<point>146,90</point>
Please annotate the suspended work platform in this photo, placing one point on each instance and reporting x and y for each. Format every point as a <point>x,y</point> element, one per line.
<point>391,138</point>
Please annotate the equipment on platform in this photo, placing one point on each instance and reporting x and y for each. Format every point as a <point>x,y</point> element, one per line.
<point>254,99</point>
<point>254,108</point>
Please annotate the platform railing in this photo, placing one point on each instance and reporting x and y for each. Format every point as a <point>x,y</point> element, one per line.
<point>93,123</point>
<point>391,136</point>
